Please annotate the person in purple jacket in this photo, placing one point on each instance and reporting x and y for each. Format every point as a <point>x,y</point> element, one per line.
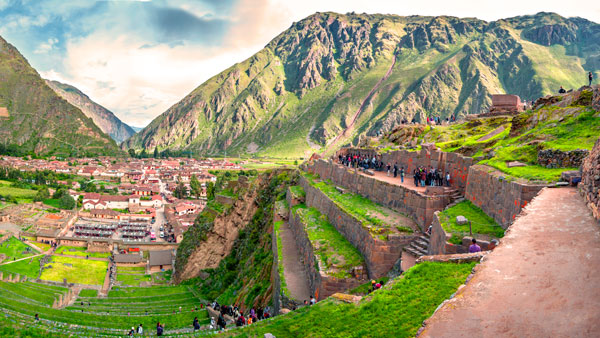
<point>474,247</point>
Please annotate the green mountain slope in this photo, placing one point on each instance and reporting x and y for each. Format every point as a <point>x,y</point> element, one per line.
<point>34,119</point>
<point>331,78</point>
<point>102,117</point>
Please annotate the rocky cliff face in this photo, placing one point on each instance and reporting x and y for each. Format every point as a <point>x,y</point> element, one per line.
<point>330,72</point>
<point>102,117</point>
<point>34,119</point>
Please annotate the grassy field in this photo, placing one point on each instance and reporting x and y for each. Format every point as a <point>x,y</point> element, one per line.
<point>481,223</point>
<point>26,267</point>
<point>13,248</point>
<point>80,251</point>
<point>398,310</point>
<point>335,253</point>
<point>133,279</point>
<point>75,270</point>
<point>91,293</point>
<point>363,289</point>
<point>21,195</point>
<point>43,246</point>
<point>53,202</point>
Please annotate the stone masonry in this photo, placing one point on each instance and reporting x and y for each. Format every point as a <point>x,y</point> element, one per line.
<point>321,285</point>
<point>553,158</point>
<point>417,205</point>
<point>497,197</point>
<point>380,255</point>
<point>590,180</point>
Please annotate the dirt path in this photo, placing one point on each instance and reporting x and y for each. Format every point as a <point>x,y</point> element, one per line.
<point>293,269</point>
<point>367,99</point>
<point>21,259</point>
<point>541,281</point>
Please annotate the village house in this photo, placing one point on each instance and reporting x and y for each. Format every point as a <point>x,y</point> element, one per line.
<point>160,261</point>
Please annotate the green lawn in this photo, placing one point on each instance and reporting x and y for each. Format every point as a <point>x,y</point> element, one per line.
<point>43,246</point>
<point>38,293</point>
<point>80,251</point>
<point>335,253</point>
<point>75,270</point>
<point>22,195</point>
<point>396,311</point>
<point>297,191</point>
<point>133,280</point>
<point>13,248</point>
<point>26,267</point>
<point>53,202</point>
<point>481,223</point>
<point>88,293</point>
<point>131,269</point>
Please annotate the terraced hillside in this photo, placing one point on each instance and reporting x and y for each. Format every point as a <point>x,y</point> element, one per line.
<point>357,74</point>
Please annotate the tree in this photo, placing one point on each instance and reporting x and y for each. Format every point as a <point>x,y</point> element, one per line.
<point>180,190</point>
<point>131,152</point>
<point>195,186</point>
<point>60,192</point>
<point>90,187</point>
<point>42,194</point>
<point>210,190</point>
<point>66,202</point>
<point>155,155</point>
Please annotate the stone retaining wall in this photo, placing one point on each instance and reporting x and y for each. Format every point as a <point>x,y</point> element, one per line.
<point>380,256</point>
<point>456,164</point>
<point>590,179</point>
<point>553,158</point>
<point>275,280</point>
<point>321,285</point>
<point>497,197</point>
<point>438,237</point>
<point>412,203</point>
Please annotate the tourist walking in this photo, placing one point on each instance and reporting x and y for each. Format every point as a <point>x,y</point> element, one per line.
<point>159,329</point>
<point>388,169</point>
<point>447,179</point>
<point>395,170</point>
<point>196,324</point>
<point>220,322</point>
<point>140,330</point>
<point>590,78</point>
<point>402,175</point>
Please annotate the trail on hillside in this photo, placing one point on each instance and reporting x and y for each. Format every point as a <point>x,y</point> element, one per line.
<point>350,128</point>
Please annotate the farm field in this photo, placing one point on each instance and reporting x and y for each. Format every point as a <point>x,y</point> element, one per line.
<point>75,270</point>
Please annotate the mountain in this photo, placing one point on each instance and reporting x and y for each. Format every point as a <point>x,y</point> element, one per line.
<point>102,117</point>
<point>136,129</point>
<point>331,79</point>
<point>35,120</point>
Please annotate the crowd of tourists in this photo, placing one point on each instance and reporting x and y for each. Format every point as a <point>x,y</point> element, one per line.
<point>240,319</point>
<point>422,176</point>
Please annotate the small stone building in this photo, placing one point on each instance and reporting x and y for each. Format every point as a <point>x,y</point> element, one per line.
<point>160,260</point>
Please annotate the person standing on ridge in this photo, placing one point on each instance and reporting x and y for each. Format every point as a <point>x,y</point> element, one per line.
<point>590,78</point>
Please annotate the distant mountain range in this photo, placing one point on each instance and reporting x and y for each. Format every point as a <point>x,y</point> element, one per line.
<point>332,79</point>
<point>102,117</point>
<point>35,120</point>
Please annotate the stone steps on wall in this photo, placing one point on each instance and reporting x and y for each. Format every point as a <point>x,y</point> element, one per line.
<point>418,247</point>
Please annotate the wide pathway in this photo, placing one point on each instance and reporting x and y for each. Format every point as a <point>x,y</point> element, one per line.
<point>541,281</point>
<point>293,269</point>
<point>408,183</point>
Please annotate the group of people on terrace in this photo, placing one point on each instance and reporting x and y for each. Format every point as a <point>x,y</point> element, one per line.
<point>430,177</point>
<point>422,176</point>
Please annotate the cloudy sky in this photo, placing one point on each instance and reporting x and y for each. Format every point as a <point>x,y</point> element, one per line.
<point>137,58</point>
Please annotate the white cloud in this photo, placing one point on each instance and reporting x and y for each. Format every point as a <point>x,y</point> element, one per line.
<point>138,84</point>
<point>46,47</point>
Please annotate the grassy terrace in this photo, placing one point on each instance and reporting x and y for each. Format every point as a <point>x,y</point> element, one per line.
<point>335,254</point>
<point>379,220</point>
<point>13,248</point>
<point>26,267</point>
<point>398,310</point>
<point>81,252</point>
<point>27,299</point>
<point>75,270</point>
<point>132,276</point>
<point>277,225</point>
<point>481,223</point>
<point>297,191</point>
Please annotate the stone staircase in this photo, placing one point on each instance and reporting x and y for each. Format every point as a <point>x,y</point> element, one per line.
<point>453,193</point>
<point>418,247</point>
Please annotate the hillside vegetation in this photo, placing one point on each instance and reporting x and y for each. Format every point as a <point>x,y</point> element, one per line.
<point>564,122</point>
<point>364,74</point>
<point>35,120</point>
<point>102,117</point>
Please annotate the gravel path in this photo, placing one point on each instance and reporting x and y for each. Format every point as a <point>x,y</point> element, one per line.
<point>293,269</point>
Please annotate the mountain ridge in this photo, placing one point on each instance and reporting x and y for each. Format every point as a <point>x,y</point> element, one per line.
<point>36,121</point>
<point>102,117</point>
<point>300,92</point>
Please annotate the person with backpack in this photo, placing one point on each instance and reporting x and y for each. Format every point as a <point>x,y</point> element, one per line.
<point>131,332</point>
<point>196,324</point>
<point>241,321</point>
<point>221,322</point>
<point>140,330</point>
<point>159,329</point>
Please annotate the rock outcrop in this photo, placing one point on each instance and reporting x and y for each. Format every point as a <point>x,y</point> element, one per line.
<point>590,180</point>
